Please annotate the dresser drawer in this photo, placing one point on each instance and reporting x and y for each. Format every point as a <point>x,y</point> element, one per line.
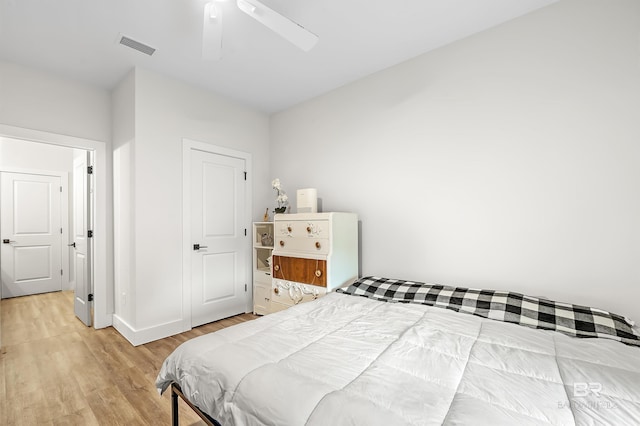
<point>291,293</point>
<point>302,228</point>
<point>302,245</point>
<point>307,271</point>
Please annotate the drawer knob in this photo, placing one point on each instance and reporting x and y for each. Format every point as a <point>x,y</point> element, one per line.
<point>317,244</point>
<point>318,273</point>
<point>308,229</point>
<point>281,243</point>
<point>289,228</point>
<point>276,268</point>
<point>276,290</point>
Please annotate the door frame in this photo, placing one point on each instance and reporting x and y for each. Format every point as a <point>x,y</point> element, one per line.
<point>187,146</point>
<point>103,214</point>
<point>64,217</point>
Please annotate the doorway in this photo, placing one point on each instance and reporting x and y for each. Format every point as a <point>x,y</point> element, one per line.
<point>38,253</point>
<point>102,229</point>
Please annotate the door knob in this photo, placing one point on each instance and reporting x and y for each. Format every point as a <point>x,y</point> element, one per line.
<point>73,244</point>
<point>7,241</point>
<point>198,247</point>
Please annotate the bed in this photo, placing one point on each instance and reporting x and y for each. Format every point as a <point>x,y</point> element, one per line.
<point>394,352</point>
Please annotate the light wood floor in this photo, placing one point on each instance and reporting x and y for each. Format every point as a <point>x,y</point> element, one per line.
<point>56,371</point>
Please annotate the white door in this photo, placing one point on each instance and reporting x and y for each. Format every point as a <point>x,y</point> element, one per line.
<point>218,237</point>
<point>31,257</point>
<point>81,246</point>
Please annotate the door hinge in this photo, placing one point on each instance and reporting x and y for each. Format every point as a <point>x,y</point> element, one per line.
<point>89,234</point>
<point>61,273</point>
<point>60,189</point>
<point>245,232</point>
<point>61,230</point>
<point>90,297</point>
<point>245,175</point>
<point>89,170</point>
<point>245,287</point>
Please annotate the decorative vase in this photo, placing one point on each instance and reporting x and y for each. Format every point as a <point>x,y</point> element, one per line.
<point>266,240</point>
<point>280,209</point>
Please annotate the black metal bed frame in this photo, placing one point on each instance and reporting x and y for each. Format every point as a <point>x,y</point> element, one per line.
<point>175,421</point>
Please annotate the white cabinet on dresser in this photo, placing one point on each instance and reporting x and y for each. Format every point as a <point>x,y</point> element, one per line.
<point>313,253</point>
<point>262,248</point>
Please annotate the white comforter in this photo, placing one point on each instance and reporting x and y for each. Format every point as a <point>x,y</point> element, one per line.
<point>347,360</point>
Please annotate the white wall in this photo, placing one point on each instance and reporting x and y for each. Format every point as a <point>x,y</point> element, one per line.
<point>166,112</point>
<point>19,154</point>
<point>507,160</point>
<point>37,100</point>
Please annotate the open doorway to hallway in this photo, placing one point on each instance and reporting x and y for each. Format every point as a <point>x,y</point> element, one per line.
<point>45,221</point>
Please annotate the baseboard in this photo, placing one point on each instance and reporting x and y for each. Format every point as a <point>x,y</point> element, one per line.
<point>149,334</point>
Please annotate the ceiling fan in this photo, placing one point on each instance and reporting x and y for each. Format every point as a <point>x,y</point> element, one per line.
<point>281,25</point>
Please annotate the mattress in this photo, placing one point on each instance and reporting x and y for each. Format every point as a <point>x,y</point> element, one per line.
<point>349,360</point>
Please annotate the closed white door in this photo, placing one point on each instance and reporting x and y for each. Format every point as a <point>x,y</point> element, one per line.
<point>81,247</point>
<point>218,237</point>
<point>31,234</point>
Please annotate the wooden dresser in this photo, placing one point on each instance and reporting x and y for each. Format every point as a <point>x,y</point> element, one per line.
<point>313,253</point>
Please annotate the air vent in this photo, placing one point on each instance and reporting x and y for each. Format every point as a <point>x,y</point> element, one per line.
<point>136,45</point>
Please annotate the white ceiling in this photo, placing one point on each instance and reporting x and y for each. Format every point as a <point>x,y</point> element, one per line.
<point>78,39</point>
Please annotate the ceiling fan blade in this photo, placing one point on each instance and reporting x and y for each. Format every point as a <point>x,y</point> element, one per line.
<point>212,32</point>
<point>285,27</point>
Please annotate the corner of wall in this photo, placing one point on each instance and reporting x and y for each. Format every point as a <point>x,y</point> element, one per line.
<point>123,126</point>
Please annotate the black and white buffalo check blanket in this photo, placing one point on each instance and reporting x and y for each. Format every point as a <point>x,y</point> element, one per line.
<point>574,320</point>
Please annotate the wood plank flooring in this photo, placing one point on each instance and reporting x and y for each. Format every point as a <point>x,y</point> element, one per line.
<point>56,371</point>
